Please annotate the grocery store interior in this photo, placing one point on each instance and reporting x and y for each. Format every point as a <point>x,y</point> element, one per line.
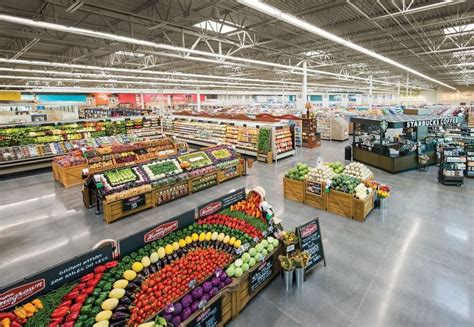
<point>236,163</point>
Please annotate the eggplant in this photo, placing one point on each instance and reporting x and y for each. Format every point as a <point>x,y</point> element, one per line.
<point>122,308</point>
<point>130,294</point>
<point>153,269</point>
<point>146,272</point>
<point>125,301</point>
<point>119,316</point>
<point>132,287</point>
<point>118,323</point>
<point>158,265</point>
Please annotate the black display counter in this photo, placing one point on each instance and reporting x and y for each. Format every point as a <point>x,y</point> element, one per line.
<point>393,165</point>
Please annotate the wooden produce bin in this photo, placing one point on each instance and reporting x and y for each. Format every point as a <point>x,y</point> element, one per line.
<point>68,176</point>
<point>341,203</point>
<point>225,298</point>
<point>293,190</point>
<point>362,208</point>
<point>115,210</point>
<point>242,294</point>
<point>191,181</point>
<point>313,200</point>
<point>221,177</point>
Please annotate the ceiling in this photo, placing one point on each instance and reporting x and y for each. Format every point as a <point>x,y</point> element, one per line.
<point>247,50</point>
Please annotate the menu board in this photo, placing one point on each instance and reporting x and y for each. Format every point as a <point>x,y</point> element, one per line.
<point>261,274</point>
<point>210,317</point>
<point>314,188</point>
<point>134,202</point>
<point>309,235</point>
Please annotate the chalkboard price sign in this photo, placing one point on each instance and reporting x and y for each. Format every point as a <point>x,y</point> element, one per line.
<point>261,274</point>
<point>133,202</point>
<point>315,188</point>
<point>210,317</point>
<point>310,240</point>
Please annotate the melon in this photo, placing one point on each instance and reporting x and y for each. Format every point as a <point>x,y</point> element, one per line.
<point>245,257</point>
<point>245,267</point>
<point>252,252</point>
<point>252,262</point>
<point>238,272</point>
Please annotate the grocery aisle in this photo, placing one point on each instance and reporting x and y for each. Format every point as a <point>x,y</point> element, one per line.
<point>412,263</point>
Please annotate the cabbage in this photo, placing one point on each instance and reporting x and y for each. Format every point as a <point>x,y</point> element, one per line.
<point>207,286</point>
<point>186,301</point>
<point>168,316</point>
<point>185,314</point>
<point>217,280</point>
<point>223,277</point>
<point>176,320</point>
<point>213,292</point>
<point>218,272</point>
<point>197,293</point>
<point>228,281</point>
<point>221,285</point>
<point>205,297</point>
<point>177,308</point>
<point>194,306</point>
<point>169,308</point>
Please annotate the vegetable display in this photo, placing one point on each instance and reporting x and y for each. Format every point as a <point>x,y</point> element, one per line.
<point>336,167</point>
<point>161,169</point>
<point>195,160</point>
<point>299,172</point>
<point>358,170</point>
<point>320,173</point>
<point>344,183</point>
<point>263,141</point>
<point>222,155</point>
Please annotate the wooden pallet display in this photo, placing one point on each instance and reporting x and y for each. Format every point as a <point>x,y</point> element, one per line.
<point>241,295</point>
<point>191,181</point>
<point>362,208</point>
<point>313,200</point>
<point>114,210</point>
<point>293,190</point>
<point>267,158</point>
<point>221,177</point>
<point>68,176</point>
<point>341,203</point>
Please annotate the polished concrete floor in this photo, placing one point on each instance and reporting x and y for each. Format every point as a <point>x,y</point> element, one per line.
<point>410,265</point>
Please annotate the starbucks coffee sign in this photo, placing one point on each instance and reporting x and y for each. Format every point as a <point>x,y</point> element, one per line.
<point>432,122</point>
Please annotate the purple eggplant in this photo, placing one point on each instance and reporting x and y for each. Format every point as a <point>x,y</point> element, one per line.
<point>119,316</point>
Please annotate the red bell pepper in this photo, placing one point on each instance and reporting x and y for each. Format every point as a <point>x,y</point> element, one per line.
<point>100,269</point>
<point>68,324</point>
<point>15,324</point>
<point>111,264</point>
<point>72,316</point>
<point>76,307</point>
<point>53,324</point>
<point>71,295</point>
<point>66,303</point>
<point>9,315</point>
<point>93,282</point>
<point>87,277</point>
<point>81,298</point>
<point>60,312</point>
<point>88,290</point>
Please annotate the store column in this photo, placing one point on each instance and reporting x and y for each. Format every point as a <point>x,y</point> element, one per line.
<point>305,87</point>
<point>370,93</point>
<point>344,100</point>
<point>198,100</point>
<point>325,100</point>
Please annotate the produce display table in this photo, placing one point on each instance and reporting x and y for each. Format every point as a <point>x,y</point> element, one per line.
<point>293,189</point>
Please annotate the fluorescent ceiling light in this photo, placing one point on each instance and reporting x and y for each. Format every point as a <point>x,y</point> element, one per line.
<point>295,21</point>
<point>315,53</point>
<point>130,54</point>
<point>216,27</point>
<point>75,6</point>
<point>459,30</point>
<point>218,58</point>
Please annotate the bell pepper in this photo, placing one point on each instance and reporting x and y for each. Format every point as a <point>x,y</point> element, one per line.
<point>83,317</point>
<point>6,322</point>
<point>21,321</point>
<point>92,282</point>
<point>71,295</point>
<point>88,290</point>
<point>107,286</point>
<point>96,292</point>
<point>87,277</point>
<point>53,324</point>
<point>20,312</point>
<point>111,264</point>
<point>96,310</point>
<point>90,300</point>
<point>100,269</point>
<point>15,324</point>
<point>8,315</point>
<point>90,321</point>
<point>37,303</point>
<point>75,307</point>
<point>29,307</point>
<point>66,303</point>
<point>72,316</point>
<point>81,298</point>
<point>60,312</point>
<point>86,309</point>
<point>68,324</point>
<point>79,324</point>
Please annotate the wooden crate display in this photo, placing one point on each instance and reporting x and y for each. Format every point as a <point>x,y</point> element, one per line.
<point>221,177</point>
<point>225,308</point>
<point>313,200</point>
<point>362,208</point>
<point>114,210</point>
<point>293,190</point>
<point>241,295</point>
<point>210,176</point>
<point>267,158</point>
<point>341,203</point>
<point>68,176</point>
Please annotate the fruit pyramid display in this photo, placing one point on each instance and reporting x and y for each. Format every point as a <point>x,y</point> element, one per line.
<point>299,172</point>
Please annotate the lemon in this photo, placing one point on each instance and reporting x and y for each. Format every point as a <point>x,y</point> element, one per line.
<point>146,261</point>
<point>221,237</point>
<point>195,237</point>
<point>137,266</point>
<point>208,236</point>
<point>168,249</point>
<point>161,252</point>
<point>232,240</point>
<point>175,246</point>
<point>226,239</point>
<point>129,275</point>
<point>188,240</point>
<point>202,237</point>
<point>214,236</point>
<point>182,243</point>
<point>154,257</point>
<point>237,244</point>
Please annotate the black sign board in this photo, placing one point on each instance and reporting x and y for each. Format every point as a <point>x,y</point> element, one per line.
<point>261,274</point>
<point>148,235</point>
<point>309,235</point>
<point>315,188</point>
<point>47,280</point>
<point>221,203</point>
<point>134,202</point>
<point>210,317</point>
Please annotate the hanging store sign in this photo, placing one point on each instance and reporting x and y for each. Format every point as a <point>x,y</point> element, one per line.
<point>432,122</point>
<point>221,203</point>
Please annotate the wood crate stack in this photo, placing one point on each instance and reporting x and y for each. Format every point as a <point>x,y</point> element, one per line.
<point>293,189</point>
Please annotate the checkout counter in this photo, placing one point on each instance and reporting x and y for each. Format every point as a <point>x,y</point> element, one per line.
<point>394,143</point>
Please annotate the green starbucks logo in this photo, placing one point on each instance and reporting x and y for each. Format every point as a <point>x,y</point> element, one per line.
<point>384,125</point>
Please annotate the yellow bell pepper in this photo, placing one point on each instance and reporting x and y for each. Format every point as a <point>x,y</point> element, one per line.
<point>37,303</point>
<point>20,312</point>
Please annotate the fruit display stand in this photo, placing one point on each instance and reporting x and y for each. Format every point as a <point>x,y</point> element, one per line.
<point>31,146</point>
<point>293,189</point>
<point>68,170</point>
<point>341,203</point>
<point>147,185</point>
<point>315,195</point>
<point>362,208</point>
<point>184,256</point>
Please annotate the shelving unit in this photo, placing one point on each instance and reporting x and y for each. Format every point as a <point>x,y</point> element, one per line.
<point>310,135</point>
<point>324,126</point>
<point>469,172</point>
<point>453,164</point>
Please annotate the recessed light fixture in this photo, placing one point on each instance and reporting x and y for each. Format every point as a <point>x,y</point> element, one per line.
<point>130,54</point>
<point>216,27</point>
<point>459,30</point>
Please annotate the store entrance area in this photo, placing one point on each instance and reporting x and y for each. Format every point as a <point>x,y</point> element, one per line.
<point>408,264</point>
